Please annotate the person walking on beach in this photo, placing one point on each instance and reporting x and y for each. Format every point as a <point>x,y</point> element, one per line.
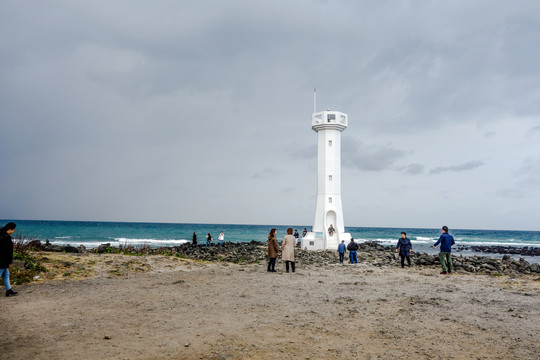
<point>405,249</point>
<point>352,247</point>
<point>6,255</point>
<point>194,239</point>
<point>208,240</point>
<point>287,249</point>
<point>221,238</point>
<point>273,250</point>
<point>341,251</point>
<point>445,255</point>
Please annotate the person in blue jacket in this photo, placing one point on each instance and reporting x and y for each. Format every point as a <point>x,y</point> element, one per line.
<point>446,240</point>
<point>341,251</point>
<point>405,249</point>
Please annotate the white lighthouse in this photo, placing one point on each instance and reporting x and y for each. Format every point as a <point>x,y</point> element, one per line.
<point>329,211</point>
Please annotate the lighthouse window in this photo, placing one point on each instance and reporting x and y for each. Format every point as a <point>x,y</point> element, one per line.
<point>329,142</point>
<point>330,200</point>
<point>330,177</point>
<point>331,117</point>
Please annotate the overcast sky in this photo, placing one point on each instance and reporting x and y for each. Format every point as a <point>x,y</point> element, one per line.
<point>200,111</point>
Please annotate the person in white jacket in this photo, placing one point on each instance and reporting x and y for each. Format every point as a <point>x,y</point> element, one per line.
<point>221,238</point>
<point>287,249</point>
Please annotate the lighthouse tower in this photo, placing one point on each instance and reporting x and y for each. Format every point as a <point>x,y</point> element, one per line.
<point>328,125</point>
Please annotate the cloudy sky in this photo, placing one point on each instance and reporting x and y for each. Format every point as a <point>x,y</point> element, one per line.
<point>200,111</point>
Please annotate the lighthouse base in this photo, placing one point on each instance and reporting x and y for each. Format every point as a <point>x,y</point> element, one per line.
<point>322,241</point>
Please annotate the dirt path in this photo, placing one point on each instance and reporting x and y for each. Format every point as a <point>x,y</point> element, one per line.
<point>169,308</point>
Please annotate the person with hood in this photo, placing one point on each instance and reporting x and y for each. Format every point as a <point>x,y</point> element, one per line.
<point>273,250</point>
<point>404,246</point>
<point>6,255</point>
<point>287,249</point>
<point>446,240</point>
<point>352,247</point>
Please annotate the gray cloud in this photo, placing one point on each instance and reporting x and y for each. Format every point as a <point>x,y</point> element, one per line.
<point>265,173</point>
<point>456,168</point>
<point>534,130</point>
<point>412,169</point>
<point>368,158</point>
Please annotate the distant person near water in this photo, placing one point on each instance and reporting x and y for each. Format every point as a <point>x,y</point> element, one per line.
<point>194,239</point>
<point>273,250</point>
<point>404,246</point>
<point>287,249</point>
<point>446,240</point>
<point>208,240</point>
<point>331,230</point>
<point>352,247</point>
<point>341,251</point>
<point>304,233</point>
<point>221,238</point>
<point>6,255</point>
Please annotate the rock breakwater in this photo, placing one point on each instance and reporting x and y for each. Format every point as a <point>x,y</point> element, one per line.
<point>372,253</point>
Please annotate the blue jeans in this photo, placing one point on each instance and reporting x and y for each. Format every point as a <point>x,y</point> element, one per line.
<point>207,242</point>
<point>5,277</point>
<point>221,242</point>
<point>341,257</point>
<point>352,256</point>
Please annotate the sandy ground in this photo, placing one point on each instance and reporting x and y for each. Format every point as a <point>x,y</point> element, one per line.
<point>155,307</point>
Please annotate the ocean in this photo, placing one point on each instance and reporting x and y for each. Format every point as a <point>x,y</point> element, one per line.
<point>91,234</point>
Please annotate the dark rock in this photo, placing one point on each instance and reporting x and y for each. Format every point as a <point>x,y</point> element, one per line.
<point>71,249</point>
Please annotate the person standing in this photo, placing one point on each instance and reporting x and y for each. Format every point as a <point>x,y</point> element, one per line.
<point>208,240</point>
<point>341,251</point>
<point>221,238</point>
<point>6,255</point>
<point>352,247</point>
<point>445,256</point>
<point>287,249</point>
<point>273,250</point>
<point>194,239</point>
<point>304,233</point>
<point>405,249</point>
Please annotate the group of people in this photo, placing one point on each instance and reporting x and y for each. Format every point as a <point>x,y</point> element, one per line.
<point>221,239</point>
<point>287,250</point>
<point>404,246</point>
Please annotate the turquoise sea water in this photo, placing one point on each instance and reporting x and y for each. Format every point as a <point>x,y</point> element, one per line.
<point>91,234</point>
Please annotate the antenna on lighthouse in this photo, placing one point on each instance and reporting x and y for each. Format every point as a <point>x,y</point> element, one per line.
<point>314,100</point>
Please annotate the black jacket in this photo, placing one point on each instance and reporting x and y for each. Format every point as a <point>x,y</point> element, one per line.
<point>6,250</point>
<point>352,246</point>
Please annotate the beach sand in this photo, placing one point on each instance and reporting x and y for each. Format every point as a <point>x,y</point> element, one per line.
<point>155,307</point>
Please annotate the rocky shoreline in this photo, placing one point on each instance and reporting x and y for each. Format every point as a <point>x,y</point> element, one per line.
<point>255,252</point>
<point>497,249</point>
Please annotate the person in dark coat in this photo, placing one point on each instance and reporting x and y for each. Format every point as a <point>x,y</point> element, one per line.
<point>446,240</point>
<point>208,240</point>
<point>194,239</point>
<point>6,255</point>
<point>273,250</point>
<point>405,249</point>
<point>352,247</point>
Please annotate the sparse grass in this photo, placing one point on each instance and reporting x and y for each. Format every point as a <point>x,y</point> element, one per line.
<point>31,266</point>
